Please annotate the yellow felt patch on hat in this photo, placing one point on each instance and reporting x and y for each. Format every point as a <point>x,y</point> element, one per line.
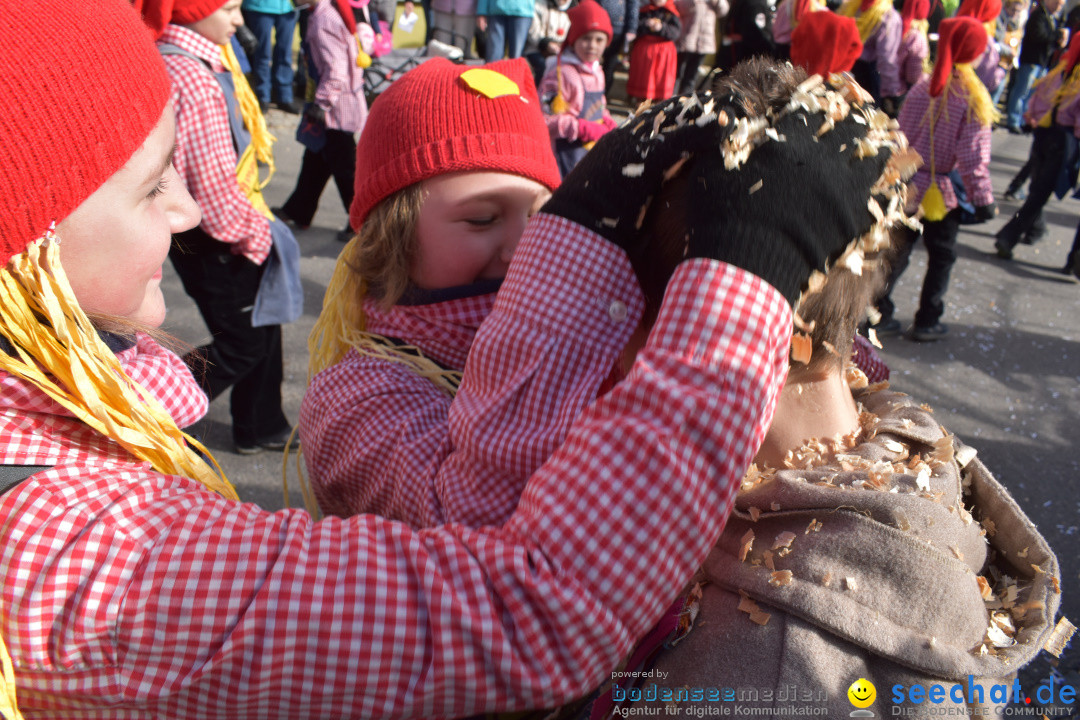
<point>490,83</point>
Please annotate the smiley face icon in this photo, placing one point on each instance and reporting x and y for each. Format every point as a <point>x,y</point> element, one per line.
<point>862,693</point>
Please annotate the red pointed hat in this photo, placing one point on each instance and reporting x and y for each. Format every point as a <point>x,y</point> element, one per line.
<point>960,40</point>
<point>825,43</point>
<point>982,10</point>
<point>586,17</point>
<point>1072,54</point>
<point>68,132</point>
<point>440,117</point>
<point>159,13</point>
<point>919,10</point>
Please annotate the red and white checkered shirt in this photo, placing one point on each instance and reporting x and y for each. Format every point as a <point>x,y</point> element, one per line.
<point>960,142</point>
<point>128,594</point>
<point>205,155</point>
<point>341,80</point>
<point>426,459</point>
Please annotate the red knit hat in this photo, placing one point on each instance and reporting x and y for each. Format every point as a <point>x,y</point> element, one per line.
<point>920,10</point>
<point>1072,54</point>
<point>586,17</point>
<point>960,40</point>
<point>79,109</point>
<point>159,13</point>
<point>982,10</point>
<point>441,117</point>
<point>825,43</point>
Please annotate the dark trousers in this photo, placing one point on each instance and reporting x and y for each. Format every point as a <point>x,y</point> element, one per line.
<point>940,240</point>
<point>1073,260</point>
<point>611,61</point>
<point>246,358</point>
<point>1048,150</point>
<point>686,74</point>
<point>337,159</point>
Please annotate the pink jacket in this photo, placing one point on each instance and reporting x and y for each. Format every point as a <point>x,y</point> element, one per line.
<point>577,79</point>
<point>341,80</point>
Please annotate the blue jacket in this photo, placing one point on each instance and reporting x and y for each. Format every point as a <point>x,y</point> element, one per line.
<point>514,8</point>
<point>270,7</point>
<point>623,14</point>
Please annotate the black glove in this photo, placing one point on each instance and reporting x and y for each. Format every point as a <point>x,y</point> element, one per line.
<point>610,189</point>
<point>791,207</point>
<point>315,114</point>
<point>985,212</point>
<point>248,42</point>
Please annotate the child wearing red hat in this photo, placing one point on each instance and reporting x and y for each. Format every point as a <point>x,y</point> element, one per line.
<point>914,44</point>
<point>824,43</point>
<point>241,264</point>
<point>572,89</point>
<point>878,68</point>
<point>947,117</point>
<point>988,67</point>
<point>654,62</point>
<point>135,585</point>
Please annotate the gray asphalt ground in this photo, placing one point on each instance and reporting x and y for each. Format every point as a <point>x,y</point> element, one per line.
<point>1006,380</point>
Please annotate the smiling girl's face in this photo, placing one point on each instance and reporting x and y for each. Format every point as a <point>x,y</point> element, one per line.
<point>469,225</point>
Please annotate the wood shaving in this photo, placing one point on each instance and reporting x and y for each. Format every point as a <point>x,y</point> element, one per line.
<point>856,378</point>
<point>767,557</point>
<point>783,540</point>
<point>634,170</point>
<point>751,608</point>
<point>965,455</point>
<point>943,449</point>
<point>850,584</point>
<point>780,578</point>
<point>755,513</point>
<point>984,588</point>
<point>802,348</point>
<point>609,222</point>
<point>1059,638</point>
<point>871,335</point>
<point>957,552</point>
<point>814,526</point>
<point>826,579</point>
<point>676,167</point>
<point>745,544</point>
<point>1020,553</point>
<point>775,507</point>
<point>756,186</point>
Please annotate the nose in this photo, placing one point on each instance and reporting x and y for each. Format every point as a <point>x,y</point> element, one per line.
<point>182,211</point>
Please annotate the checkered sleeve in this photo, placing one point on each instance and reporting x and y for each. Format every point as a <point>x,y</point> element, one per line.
<point>145,595</point>
<point>206,160</point>
<point>973,161</point>
<point>562,318</point>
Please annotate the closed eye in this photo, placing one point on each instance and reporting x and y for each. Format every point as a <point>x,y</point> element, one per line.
<point>158,189</point>
<point>481,221</point>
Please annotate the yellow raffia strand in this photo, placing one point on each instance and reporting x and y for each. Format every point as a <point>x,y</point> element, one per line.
<point>58,350</point>
<point>262,142</point>
<point>868,21</point>
<point>974,92</point>
<point>339,328</point>
<point>8,706</point>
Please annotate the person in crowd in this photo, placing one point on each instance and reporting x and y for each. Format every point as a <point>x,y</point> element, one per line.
<point>274,24</point>
<point>1053,113</point>
<point>697,38</point>
<point>130,537</point>
<point>505,24</point>
<point>337,111</point>
<point>788,15</point>
<point>947,118</point>
<point>241,264</point>
<point>914,46</point>
<point>654,57</point>
<point>624,22</point>
<point>751,21</point>
<point>1042,37</point>
<point>547,34</point>
<point>988,68</point>
<point>454,23</point>
<point>858,508</point>
<point>824,43</point>
<point>881,31</point>
<point>572,90</point>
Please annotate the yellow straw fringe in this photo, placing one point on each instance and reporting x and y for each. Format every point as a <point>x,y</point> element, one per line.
<point>262,142</point>
<point>74,367</point>
<point>978,99</point>
<point>1069,88</point>
<point>868,21</point>
<point>8,706</point>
